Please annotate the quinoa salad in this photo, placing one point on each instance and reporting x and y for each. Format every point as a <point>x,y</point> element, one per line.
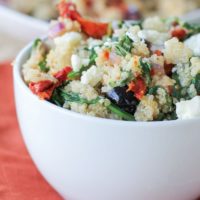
<point>145,70</point>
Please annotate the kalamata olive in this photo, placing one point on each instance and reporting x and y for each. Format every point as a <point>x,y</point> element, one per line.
<point>125,100</point>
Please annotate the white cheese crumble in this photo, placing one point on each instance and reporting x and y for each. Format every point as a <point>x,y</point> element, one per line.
<point>176,52</point>
<point>154,23</point>
<point>153,36</point>
<point>93,42</point>
<point>188,109</point>
<point>92,76</point>
<point>72,37</point>
<point>132,33</point>
<point>76,62</point>
<point>194,44</point>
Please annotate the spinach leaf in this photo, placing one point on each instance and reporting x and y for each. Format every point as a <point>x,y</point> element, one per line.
<point>92,57</point>
<point>153,90</point>
<point>124,46</point>
<point>74,75</point>
<point>192,28</point>
<point>124,115</point>
<point>146,68</point>
<point>36,43</point>
<point>74,97</point>
<point>57,98</point>
<point>60,96</point>
<point>43,66</point>
<point>197,83</point>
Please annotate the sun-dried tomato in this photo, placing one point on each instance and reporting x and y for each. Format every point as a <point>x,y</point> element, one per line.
<point>138,87</point>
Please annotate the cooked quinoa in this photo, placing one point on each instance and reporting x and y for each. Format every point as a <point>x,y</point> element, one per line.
<point>127,70</point>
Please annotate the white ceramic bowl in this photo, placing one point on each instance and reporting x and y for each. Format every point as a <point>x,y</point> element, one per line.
<point>88,158</point>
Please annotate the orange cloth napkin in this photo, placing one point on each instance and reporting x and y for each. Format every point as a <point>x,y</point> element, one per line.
<point>19,178</point>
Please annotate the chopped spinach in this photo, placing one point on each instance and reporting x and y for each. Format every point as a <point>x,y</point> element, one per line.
<point>74,97</point>
<point>124,46</point>
<point>179,92</point>
<point>172,115</point>
<point>153,90</point>
<point>43,66</point>
<point>197,83</point>
<point>122,114</point>
<point>146,68</point>
<point>120,24</point>
<point>160,117</point>
<point>192,28</point>
<point>57,98</point>
<point>36,43</point>
<point>92,57</point>
<point>120,50</point>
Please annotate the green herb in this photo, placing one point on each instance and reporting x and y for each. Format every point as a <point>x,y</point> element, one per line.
<point>124,46</point>
<point>175,76</point>
<point>122,114</point>
<point>178,91</point>
<point>128,79</point>
<point>120,50</point>
<point>197,83</point>
<point>60,96</point>
<point>120,24</point>
<point>74,97</point>
<point>153,90</point>
<point>74,75</point>
<point>57,98</point>
<point>172,115</point>
<point>160,117</point>
<point>43,66</point>
<point>169,116</point>
<point>36,43</point>
<point>92,57</point>
<point>192,28</point>
<point>146,68</point>
<point>167,107</point>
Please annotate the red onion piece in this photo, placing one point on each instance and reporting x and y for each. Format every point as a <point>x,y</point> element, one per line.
<point>158,70</point>
<point>114,58</point>
<point>56,30</point>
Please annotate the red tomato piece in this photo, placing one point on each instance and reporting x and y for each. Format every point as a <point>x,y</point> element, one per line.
<point>40,86</point>
<point>138,87</point>
<point>179,33</point>
<point>62,74</point>
<point>68,9</point>
<point>158,52</point>
<point>43,89</point>
<point>106,55</point>
<point>93,29</point>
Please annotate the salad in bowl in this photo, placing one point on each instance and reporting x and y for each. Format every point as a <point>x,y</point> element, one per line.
<point>128,70</point>
<point>130,81</point>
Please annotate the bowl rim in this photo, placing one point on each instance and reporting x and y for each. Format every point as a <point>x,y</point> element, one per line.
<point>17,65</point>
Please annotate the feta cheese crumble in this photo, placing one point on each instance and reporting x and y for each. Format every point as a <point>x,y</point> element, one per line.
<point>194,44</point>
<point>188,109</point>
